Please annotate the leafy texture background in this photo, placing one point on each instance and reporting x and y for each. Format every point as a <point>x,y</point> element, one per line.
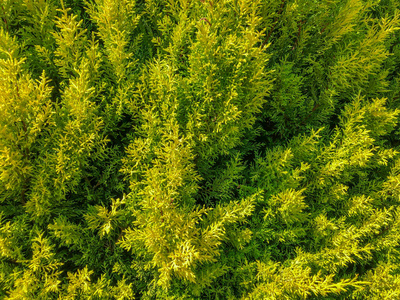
<point>198,149</point>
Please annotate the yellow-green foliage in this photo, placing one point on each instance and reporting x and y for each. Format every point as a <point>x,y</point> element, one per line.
<point>200,149</point>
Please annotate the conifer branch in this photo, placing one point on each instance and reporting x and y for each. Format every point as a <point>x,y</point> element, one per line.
<point>298,34</point>
<point>324,28</point>
<point>4,18</point>
<point>274,23</point>
<point>205,19</point>
<point>310,114</point>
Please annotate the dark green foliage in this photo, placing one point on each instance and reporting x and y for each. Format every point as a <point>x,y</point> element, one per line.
<point>199,149</point>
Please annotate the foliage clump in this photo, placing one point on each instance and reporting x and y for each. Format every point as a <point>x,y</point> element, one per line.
<point>199,149</point>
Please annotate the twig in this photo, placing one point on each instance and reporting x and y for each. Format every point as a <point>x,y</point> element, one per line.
<point>309,115</point>
<point>4,19</point>
<point>205,19</point>
<point>298,34</point>
<point>275,22</point>
<point>323,28</point>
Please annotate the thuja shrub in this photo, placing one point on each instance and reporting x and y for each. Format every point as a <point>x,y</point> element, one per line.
<point>198,149</point>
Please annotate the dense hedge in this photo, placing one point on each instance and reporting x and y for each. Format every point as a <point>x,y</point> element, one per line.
<point>199,149</point>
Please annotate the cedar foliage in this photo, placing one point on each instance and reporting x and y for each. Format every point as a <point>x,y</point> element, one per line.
<point>200,149</point>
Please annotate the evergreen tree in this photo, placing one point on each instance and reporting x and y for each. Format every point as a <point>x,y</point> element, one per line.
<point>199,149</point>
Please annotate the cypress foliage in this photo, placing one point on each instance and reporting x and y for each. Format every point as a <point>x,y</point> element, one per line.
<point>199,149</point>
